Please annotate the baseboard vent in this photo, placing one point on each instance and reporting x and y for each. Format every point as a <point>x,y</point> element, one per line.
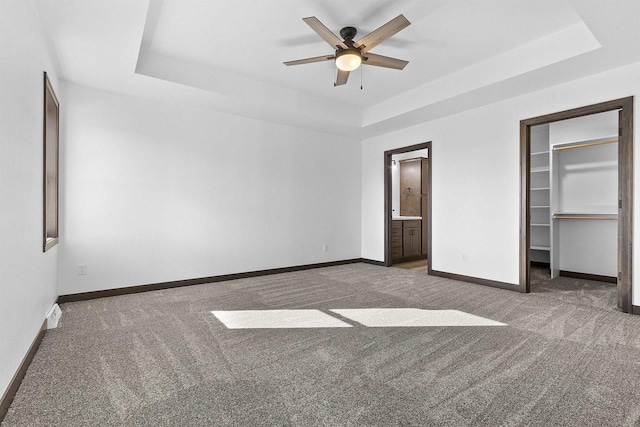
<point>53,316</point>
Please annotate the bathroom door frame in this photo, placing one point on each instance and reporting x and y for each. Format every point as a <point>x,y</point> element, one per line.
<point>388,192</point>
<point>625,192</point>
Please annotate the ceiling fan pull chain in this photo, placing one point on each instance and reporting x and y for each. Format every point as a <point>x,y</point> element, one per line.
<point>361,78</point>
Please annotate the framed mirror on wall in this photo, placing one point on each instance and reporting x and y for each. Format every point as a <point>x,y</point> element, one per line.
<point>51,133</point>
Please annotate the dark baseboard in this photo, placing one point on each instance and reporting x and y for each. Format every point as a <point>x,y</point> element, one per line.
<point>586,276</point>
<point>372,262</point>
<point>477,280</point>
<point>8,395</point>
<point>202,280</point>
<point>635,309</point>
<point>540,264</point>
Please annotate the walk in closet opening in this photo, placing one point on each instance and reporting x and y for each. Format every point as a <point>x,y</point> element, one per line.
<point>408,207</point>
<point>576,203</point>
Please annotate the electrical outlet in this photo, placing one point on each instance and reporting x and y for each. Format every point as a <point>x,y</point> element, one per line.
<point>325,248</point>
<point>82,269</point>
<point>465,258</point>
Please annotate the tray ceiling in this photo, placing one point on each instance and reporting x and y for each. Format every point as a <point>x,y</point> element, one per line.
<point>227,55</point>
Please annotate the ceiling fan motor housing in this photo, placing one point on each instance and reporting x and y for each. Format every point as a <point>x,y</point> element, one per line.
<point>348,33</point>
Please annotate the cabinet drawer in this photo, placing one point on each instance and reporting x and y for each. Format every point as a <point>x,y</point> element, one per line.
<point>396,253</point>
<point>396,224</point>
<point>396,232</point>
<point>396,242</point>
<point>412,224</point>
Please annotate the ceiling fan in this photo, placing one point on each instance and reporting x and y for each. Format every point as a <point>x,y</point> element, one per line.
<point>350,54</point>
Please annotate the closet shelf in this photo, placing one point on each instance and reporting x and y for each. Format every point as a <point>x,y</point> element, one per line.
<point>539,170</point>
<point>540,207</point>
<point>540,153</point>
<point>540,225</point>
<point>540,248</point>
<point>586,143</point>
<point>541,189</point>
<point>584,216</point>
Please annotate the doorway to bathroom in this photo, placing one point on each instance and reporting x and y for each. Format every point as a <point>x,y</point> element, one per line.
<point>407,207</point>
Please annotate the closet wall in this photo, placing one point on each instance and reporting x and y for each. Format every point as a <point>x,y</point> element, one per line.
<point>585,181</point>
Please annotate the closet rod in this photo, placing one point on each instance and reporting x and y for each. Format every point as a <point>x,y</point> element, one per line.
<point>605,217</point>
<point>586,144</point>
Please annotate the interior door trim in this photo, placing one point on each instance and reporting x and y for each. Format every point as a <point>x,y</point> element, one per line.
<point>388,202</point>
<point>625,191</point>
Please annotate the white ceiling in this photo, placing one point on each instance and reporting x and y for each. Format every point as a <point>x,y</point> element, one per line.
<point>227,55</point>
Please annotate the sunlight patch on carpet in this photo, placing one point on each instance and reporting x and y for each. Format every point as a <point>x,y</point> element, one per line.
<point>264,319</point>
<point>411,317</point>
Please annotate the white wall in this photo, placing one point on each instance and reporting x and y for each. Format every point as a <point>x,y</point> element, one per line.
<point>27,275</point>
<point>157,192</point>
<point>587,182</point>
<point>470,194</point>
<point>594,126</point>
<point>475,167</point>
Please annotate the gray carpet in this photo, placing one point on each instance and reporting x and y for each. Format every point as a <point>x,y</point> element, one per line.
<point>574,291</point>
<point>161,358</point>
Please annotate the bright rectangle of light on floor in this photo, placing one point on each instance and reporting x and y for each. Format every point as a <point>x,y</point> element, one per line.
<point>409,317</point>
<point>265,319</point>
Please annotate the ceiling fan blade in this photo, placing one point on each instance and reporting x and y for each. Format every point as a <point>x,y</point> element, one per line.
<point>310,60</point>
<point>324,32</point>
<point>376,37</point>
<point>342,77</point>
<point>383,61</point>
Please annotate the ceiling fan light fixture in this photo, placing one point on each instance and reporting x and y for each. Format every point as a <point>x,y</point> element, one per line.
<point>348,59</point>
